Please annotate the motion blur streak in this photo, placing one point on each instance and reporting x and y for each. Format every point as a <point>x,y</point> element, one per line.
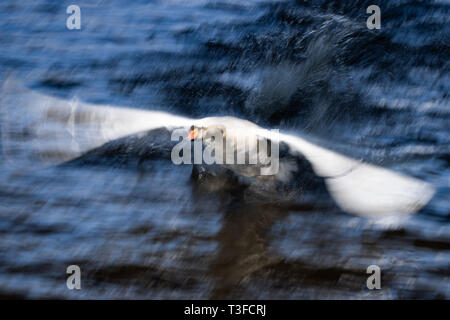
<point>357,187</point>
<point>53,130</point>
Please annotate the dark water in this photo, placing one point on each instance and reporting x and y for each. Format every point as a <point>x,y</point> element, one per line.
<point>145,229</point>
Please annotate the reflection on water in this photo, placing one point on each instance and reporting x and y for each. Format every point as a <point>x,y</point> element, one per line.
<point>243,246</point>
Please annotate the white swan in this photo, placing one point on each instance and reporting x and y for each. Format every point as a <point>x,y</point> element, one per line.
<point>39,127</point>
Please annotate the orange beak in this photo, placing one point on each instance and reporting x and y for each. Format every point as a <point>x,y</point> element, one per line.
<point>193,134</point>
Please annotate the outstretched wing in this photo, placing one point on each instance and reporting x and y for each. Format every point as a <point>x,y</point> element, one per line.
<point>362,188</point>
<point>37,129</point>
<point>357,187</point>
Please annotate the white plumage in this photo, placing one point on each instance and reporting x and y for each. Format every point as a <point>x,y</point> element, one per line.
<point>39,128</point>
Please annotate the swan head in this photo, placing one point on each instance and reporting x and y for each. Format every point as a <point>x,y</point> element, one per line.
<point>205,134</point>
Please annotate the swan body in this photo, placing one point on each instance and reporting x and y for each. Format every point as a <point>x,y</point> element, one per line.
<point>37,128</point>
